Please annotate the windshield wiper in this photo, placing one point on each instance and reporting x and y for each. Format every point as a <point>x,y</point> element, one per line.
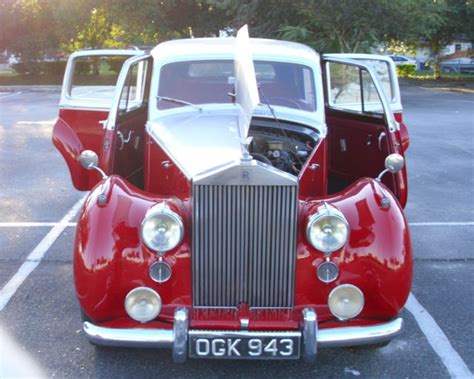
<point>178,101</point>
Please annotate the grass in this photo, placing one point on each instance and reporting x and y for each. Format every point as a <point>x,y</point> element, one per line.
<point>9,78</point>
<point>429,76</point>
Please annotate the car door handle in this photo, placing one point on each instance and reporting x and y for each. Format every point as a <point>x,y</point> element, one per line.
<point>103,123</point>
<point>122,139</point>
<point>381,137</point>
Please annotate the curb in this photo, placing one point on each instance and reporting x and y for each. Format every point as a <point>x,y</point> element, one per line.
<point>35,88</point>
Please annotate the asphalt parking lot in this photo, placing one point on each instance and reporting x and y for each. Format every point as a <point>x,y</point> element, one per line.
<point>39,314</point>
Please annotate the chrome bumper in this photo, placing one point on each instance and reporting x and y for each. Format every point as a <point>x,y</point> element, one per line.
<point>177,339</point>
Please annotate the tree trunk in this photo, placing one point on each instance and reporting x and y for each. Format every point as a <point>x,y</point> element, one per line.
<point>436,50</point>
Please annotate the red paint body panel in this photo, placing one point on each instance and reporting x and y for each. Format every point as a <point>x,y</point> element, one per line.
<point>75,131</point>
<point>377,258</point>
<point>364,155</point>
<point>167,180</point>
<point>313,180</point>
<point>110,260</point>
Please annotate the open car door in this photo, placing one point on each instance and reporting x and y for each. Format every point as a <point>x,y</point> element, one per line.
<point>362,129</point>
<point>123,148</point>
<point>386,72</point>
<point>86,98</point>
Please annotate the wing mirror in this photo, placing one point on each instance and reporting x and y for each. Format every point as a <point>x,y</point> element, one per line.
<point>393,163</point>
<point>90,161</point>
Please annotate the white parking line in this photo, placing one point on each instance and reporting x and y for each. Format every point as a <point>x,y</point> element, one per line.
<point>438,340</point>
<point>32,224</point>
<point>463,223</point>
<point>10,94</point>
<point>45,122</point>
<point>35,257</point>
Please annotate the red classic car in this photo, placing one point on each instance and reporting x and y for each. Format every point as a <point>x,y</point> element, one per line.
<point>246,197</point>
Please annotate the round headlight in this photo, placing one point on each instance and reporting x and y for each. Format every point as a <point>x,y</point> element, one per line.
<point>162,229</point>
<point>327,230</point>
<point>346,301</point>
<point>143,304</point>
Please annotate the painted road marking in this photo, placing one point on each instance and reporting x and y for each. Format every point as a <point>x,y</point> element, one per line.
<point>35,257</point>
<point>10,94</point>
<point>32,224</point>
<point>44,122</point>
<point>463,223</point>
<point>438,340</point>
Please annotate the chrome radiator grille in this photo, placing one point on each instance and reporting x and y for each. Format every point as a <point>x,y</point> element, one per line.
<point>244,245</point>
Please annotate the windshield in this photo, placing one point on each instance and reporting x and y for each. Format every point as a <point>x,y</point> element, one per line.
<point>201,82</point>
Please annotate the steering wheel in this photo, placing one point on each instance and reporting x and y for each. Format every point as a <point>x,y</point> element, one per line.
<point>284,101</point>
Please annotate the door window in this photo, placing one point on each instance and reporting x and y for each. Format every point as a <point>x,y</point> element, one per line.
<point>133,92</point>
<point>352,88</point>
<point>94,77</point>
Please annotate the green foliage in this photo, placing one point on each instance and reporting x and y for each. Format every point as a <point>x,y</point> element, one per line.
<point>115,64</point>
<point>34,29</point>
<point>97,32</point>
<point>406,70</point>
<point>55,68</point>
<point>20,68</point>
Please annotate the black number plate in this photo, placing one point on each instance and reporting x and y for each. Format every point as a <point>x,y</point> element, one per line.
<point>244,345</point>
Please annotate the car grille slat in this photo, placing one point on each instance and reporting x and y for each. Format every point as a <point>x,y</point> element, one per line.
<point>244,245</point>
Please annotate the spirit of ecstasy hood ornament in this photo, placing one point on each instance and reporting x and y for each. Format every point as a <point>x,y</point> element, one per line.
<point>246,90</point>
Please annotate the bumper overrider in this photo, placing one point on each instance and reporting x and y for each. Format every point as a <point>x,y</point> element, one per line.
<point>179,337</point>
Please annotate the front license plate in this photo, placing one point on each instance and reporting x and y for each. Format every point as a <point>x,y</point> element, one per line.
<point>244,345</point>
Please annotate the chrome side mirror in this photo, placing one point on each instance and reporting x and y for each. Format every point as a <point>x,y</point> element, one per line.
<point>90,161</point>
<point>393,163</point>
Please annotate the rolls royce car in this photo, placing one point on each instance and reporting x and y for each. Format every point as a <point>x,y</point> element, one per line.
<point>245,197</point>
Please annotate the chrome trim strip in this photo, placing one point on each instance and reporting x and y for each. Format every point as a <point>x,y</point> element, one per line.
<point>129,337</point>
<point>359,335</point>
<point>180,332</point>
<point>310,333</point>
<point>165,338</point>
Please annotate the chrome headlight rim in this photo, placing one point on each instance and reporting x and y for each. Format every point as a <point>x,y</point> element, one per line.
<point>157,210</point>
<point>324,212</point>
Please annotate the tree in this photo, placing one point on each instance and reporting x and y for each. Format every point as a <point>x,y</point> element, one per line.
<point>348,25</point>
<point>25,30</point>
<point>98,32</point>
<point>450,18</point>
<point>264,17</point>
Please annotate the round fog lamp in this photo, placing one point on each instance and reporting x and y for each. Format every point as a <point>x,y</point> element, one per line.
<point>346,301</point>
<point>143,304</point>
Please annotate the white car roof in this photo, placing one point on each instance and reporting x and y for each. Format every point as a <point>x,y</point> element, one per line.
<point>224,48</point>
